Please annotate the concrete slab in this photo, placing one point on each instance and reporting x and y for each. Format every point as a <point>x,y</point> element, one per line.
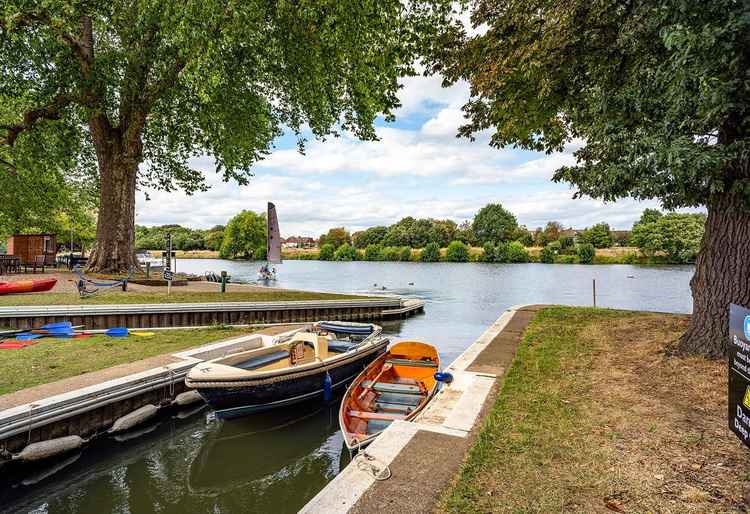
<point>343,492</point>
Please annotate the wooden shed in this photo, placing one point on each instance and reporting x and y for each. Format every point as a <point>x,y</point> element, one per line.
<point>28,246</point>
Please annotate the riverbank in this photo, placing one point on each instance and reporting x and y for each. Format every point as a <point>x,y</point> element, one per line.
<point>65,293</point>
<point>582,410</point>
<point>615,255</point>
<point>596,415</point>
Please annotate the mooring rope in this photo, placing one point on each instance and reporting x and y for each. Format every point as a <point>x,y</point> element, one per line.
<point>371,465</point>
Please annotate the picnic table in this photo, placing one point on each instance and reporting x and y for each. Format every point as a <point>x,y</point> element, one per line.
<point>9,264</point>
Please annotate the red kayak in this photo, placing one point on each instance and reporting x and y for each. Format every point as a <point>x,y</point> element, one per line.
<point>27,286</point>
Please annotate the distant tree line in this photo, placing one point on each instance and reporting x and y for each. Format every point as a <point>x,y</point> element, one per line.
<point>183,238</point>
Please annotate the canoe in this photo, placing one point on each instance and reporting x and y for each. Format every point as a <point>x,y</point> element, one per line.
<point>27,286</point>
<point>309,365</point>
<point>396,385</point>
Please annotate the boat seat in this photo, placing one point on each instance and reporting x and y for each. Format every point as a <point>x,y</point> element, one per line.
<point>412,363</point>
<point>259,362</point>
<point>411,400</point>
<point>390,416</point>
<point>375,426</point>
<point>387,387</point>
<point>393,407</point>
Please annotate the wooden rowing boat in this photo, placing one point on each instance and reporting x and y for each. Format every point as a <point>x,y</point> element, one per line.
<point>396,385</point>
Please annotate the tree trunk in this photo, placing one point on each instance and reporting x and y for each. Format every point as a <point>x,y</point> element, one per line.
<point>722,276</point>
<point>114,250</point>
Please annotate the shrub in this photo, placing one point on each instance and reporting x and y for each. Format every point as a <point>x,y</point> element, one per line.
<point>501,252</point>
<point>373,252</point>
<point>430,253</point>
<point>548,254</point>
<point>516,252</point>
<point>391,253</point>
<point>631,258</point>
<point>586,253</point>
<point>326,252</point>
<point>566,243</point>
<point>566,259</point>
<point>457,252</point>
<point>345,252</point>
<point>404,253</point>
<point>488,252</point>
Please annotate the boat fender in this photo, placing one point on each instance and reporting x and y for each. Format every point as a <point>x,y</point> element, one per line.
<point>50,448</point>
<point>136,417</point>
<point>327,388</point>
<point>187,398</point>
<point>134,434</point>
<point>443,376</point>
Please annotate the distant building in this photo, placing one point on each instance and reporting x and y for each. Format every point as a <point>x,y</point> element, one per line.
<point>298,242</point>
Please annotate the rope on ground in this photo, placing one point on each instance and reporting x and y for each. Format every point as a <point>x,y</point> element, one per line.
<point>371,465</point>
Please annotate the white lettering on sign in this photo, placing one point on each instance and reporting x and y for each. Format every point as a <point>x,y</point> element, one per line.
<point>742,345</point>
<point>742,423</point>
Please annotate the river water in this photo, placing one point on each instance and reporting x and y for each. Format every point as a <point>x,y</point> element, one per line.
<point>275,462</point>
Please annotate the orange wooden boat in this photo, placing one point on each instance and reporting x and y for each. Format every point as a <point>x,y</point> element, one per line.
<point>27,286</point>
<point>396,385</point>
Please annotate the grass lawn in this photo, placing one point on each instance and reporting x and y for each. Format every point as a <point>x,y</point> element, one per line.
<point>119,297</point>
<point>54,359</point>
<point>596,415</point>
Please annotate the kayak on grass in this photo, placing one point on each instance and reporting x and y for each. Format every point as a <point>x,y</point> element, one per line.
<point>27,286</point>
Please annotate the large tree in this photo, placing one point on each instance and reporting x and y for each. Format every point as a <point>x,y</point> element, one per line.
<point>659,95</point>
<point>149,84</point>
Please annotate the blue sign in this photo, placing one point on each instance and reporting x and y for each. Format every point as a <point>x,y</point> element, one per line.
<point>739,372</point>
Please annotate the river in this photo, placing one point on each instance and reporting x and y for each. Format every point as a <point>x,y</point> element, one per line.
<point>275,462</point>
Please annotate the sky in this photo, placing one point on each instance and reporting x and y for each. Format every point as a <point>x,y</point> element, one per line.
<point>418,168</point>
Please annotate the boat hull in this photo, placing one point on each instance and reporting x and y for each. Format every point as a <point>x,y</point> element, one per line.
<point>249,396</point>
<point>27,286</point>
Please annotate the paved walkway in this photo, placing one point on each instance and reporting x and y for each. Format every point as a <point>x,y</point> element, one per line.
<point>426,455</point>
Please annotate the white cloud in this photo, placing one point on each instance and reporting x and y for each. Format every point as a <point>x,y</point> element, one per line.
<point>423,172</point>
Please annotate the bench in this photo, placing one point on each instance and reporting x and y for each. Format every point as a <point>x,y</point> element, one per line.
<point>40,261</point>
<point>412,363</point>
<point>385,416</point>
<point>387,387</point>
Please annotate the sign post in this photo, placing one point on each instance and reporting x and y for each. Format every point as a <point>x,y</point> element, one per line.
<point>168,265</point>
<point>739,372</point>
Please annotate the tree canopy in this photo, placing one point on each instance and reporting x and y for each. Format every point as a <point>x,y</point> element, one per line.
<point>656,97</point>
<point>678,236</point>
<point>144,86</point>
<point>245,236</point>
<point>493,223</point>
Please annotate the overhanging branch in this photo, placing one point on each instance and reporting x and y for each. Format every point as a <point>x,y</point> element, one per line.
<point>51,111</point>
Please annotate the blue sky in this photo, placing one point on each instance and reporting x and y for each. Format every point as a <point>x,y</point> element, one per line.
<point>418,168</point>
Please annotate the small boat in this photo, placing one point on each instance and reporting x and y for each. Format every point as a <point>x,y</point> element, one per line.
<point>144,257</point>
<point>306,365</point>
<point>396,385</point>
<point>27,286</point>
<point>267,273</point>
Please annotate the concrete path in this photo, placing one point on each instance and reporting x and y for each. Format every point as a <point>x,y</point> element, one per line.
<point>424,456</point>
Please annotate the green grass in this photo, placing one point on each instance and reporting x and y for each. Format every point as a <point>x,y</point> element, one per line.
<point>119,297</point>
<point>527,437</point>
<point>55,359</point>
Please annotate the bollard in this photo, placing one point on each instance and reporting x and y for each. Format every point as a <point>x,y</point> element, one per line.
<point>223,281</point>
<point>594,290</point>
<point>148,270</point>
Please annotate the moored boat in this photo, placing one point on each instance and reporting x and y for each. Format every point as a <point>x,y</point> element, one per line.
<point>395,386</point>
<point>308,365</point>
<point>27,286</point>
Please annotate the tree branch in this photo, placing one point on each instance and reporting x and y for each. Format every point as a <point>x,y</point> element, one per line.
<point>43,18</point>
<point>50,111</point>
